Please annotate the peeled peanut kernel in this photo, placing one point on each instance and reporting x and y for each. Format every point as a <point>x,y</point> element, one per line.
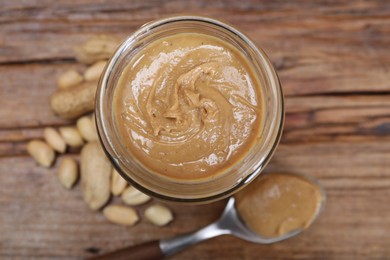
<point>68,79</point>
<point>71,136</point>
<point>41,152</point>
<point>158,215</point>
<point>133,197</point>
<point>68,172</point>
<point>86,128</point>
<point>54,139</point>
<point>99,47</point>
<point>121,215</point>
<point>93,119</point>
<point>95,70</point>
<point>118,184</point>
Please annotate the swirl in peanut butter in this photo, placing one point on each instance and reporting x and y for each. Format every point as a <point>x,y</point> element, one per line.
<point>188,106</point>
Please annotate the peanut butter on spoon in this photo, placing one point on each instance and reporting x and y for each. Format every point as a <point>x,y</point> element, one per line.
<point>276,204</point>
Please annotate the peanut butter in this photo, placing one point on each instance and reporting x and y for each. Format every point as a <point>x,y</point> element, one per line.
<point>277,204</point>
<point>188,106</point>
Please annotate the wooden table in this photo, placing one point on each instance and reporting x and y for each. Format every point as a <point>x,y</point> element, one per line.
<point>333,58</point>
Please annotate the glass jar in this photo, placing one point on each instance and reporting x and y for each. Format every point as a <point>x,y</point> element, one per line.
<point>195,191</point>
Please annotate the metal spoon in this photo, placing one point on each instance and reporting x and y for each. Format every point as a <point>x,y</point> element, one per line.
<point>228,224</point>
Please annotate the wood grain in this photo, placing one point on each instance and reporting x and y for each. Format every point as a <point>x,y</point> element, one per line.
<point>333,60</point>
<point>44,220</point>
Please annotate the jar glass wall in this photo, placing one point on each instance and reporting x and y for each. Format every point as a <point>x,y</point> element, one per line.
<point>204,190</point>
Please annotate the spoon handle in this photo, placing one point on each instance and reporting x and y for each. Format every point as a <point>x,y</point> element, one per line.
<point>150,250</point>
<point>176,244</point>
<point>166,247</point>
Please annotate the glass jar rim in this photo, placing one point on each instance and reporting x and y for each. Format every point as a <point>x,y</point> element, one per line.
<point>105,138</point>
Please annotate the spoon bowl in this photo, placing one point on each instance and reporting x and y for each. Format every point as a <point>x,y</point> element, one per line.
<point>228,224</point>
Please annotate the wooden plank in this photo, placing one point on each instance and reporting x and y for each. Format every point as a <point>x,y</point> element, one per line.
<point>316,50</point>
<point>27,88</point>
<point>44,220</point>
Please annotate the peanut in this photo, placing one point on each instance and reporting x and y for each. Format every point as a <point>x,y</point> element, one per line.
<point>158,215</point>
<point>54,139</point>
<point>95,70</point>
<point>74,101</point>
<point>41,152</point>
<point>68,172</point>
<point>71,136</point>
<point>100,47</point>
<point>93,117</point>
<point>86,128</point>
<point>118,184</point>
<point>68,79</point>
<point>95,175</point>
<point>121,215</point>
<point>131,196</point>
